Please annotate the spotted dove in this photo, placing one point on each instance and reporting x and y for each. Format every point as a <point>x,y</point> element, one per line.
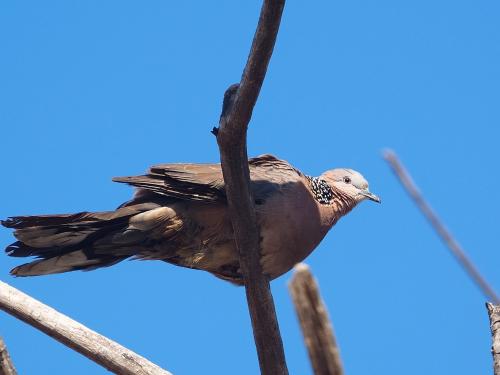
<point>179,215</point>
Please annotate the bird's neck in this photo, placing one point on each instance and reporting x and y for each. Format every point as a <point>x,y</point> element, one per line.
<point>342,203</point>
<point>331,198</point>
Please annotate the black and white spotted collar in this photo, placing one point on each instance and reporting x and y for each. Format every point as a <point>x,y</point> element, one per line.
<point>321,191</point>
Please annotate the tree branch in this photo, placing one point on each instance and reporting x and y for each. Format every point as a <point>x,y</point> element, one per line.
<point>239,101</point>
<point>6,365</point>
<point>455,248</point>
<point>494,314</point>
<point>316,326</point>
<point>94,346</point>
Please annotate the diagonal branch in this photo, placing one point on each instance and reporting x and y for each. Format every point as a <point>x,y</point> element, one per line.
<point>316,326</point>
<point>239,101</point>
<point>94,346</point>
<point>494,314</point>
<point>455,248</point>
<point>6,365</point>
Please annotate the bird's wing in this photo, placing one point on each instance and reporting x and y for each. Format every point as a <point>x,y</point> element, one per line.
<point>204,182</point>
<point>195,182</point>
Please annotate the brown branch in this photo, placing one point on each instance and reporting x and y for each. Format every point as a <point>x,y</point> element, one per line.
<point>455,248</point>
<point>494,314</point>
<point>6,365</point>
<point>94,346</point>
<point>239,101</point>
<point>316,326</point>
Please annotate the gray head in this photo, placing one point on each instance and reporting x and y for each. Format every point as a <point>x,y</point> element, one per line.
<point>351,183</point>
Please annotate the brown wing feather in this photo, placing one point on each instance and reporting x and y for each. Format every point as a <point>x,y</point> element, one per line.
<point>204,182</point>
<point>179,181</point>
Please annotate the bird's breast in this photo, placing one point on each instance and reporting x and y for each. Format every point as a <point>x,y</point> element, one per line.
<point>291,227</point>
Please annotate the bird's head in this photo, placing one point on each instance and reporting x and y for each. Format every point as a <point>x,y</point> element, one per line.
<point>351,183</point>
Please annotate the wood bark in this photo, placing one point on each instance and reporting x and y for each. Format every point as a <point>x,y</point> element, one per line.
<point>494,314</point>
<point>96,347</point>
<point>6,365</point>
<point>315,323</point>
<point>239,101</point>
<point>436,223</point>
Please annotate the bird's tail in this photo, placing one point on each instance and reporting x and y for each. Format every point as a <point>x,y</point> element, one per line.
<point>81,241</point>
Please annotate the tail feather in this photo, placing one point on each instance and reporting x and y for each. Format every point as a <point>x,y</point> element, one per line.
<point>40,237</point>
<point>19,222</point>
<point>82,241</point>
<point>18,249</point>
<point>75,260</point>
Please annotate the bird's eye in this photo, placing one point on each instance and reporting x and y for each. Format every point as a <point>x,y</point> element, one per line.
<point>347,180</point>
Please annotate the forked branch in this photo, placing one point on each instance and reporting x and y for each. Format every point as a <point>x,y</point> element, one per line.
<point>239,101</point>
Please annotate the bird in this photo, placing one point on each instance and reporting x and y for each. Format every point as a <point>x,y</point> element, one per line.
<point>179,215</point>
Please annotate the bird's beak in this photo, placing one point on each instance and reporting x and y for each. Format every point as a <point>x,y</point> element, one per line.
<point>370,196</point>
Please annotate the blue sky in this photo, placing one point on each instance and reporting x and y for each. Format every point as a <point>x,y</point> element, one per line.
<point>90,90</point>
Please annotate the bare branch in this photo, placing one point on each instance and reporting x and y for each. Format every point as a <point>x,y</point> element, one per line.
<point>316,326</point>
<point>94,346</point>
<point>494,314</point>
<point>455,248</point>
<point>6,365</point>
<point>239,101</point>
<point>234,121</point>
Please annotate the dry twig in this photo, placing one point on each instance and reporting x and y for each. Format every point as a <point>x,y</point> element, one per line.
<point>97,348</point>
<point>494,314</point>
<point>455,248</point>
<point>6,365</point>
<point>239,101</point>
<point>316,326</point>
